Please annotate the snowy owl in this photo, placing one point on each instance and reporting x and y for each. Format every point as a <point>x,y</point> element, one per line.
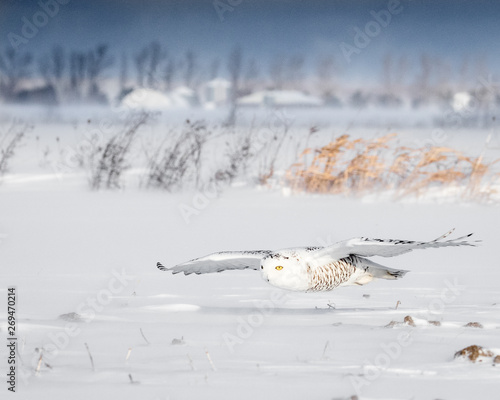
<point>313,269</point>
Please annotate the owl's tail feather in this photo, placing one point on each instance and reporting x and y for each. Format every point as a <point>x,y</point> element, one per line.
<point>373,270</point>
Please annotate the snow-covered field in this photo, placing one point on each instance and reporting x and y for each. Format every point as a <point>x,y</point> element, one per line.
<point>83,264</point>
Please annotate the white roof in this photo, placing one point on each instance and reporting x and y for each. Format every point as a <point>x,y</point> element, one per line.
<point>280,98</point>
<point>461,101</point>
<point>150,99</point>
<point>184,91</point>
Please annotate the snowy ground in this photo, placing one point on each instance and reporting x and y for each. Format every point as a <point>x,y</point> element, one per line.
<point>155,336</point>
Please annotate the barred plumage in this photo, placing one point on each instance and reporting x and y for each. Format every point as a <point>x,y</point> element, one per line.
<point>329,276</point>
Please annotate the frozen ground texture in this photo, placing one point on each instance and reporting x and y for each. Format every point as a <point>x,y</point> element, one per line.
<point>69,250</point>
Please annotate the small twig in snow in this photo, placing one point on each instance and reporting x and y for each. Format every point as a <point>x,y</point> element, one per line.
<point>37,371</point>
<point>397,304</point>
<point>128,354</point>
<point>327,344</point>
<point>210,360</point>
<point>132,380</point>
<point>142,333</point>
<point>90,356</point>
<point>191,362</point>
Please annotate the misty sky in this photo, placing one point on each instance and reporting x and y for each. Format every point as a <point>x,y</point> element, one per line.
<point>265,28</point>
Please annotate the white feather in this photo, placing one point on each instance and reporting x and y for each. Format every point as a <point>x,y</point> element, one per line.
<point>366,247</point>
<point>218,262</point>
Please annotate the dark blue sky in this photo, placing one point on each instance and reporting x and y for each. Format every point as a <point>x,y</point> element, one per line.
<point>265,28</point>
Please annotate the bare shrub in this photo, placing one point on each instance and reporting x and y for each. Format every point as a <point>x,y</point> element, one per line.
<point>270,149</point>
<point>238,154</point>
<point>107,160</point>
<point>178,159</point>
<point>9,142</point>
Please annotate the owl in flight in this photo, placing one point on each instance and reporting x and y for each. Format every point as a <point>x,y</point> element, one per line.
<point>313,269</point>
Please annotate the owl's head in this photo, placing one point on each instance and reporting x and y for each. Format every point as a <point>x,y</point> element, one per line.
<point>285,271</point>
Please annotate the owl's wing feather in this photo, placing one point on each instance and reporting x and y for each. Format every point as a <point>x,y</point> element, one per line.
<point>221,261</point>
<point>366,247</point>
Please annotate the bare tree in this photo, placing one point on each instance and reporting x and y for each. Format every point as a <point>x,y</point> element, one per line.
<point>387,74</point>
<point>169,72</point>
<point>156,55</point>
<point>141,60</point>
<point>123,72</point>
<point>325,72</point>
<point>463,73</point>
<point>401,73</point>
<point>14,67</point>
<point>277,72</point>
<point>214,68</point>
<point>98,60</point>
<point>147,63</point>
<point>392,75</point>
<point>422,82</point>
<point>295,71</point>
<point>190,65</point>
<point>443,77</point>
<point>44,67</point>
<point>52,66</point>
<point>234,66</point>
<point>251,76</point>
<point>77,72</point>
<point>58,62</point>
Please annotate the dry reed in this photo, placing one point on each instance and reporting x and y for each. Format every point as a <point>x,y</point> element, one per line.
<point>360,166</point>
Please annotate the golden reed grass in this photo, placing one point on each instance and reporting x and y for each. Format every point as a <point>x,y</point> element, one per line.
<point>360,166</point>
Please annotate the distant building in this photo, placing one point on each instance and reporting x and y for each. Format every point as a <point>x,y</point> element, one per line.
<point>280,98</point>
<point>461,101</point>
<point>216,92</point>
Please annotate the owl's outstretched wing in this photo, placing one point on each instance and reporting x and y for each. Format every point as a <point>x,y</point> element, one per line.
<point>217,262</point>
<point>366,247</point>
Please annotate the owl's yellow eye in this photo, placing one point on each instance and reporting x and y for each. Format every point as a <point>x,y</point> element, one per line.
<point>279,267</point>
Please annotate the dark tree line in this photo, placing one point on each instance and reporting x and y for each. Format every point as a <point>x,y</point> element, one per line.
<point>81,75</point>
<point>74,75</point>
<point>96,75</point>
